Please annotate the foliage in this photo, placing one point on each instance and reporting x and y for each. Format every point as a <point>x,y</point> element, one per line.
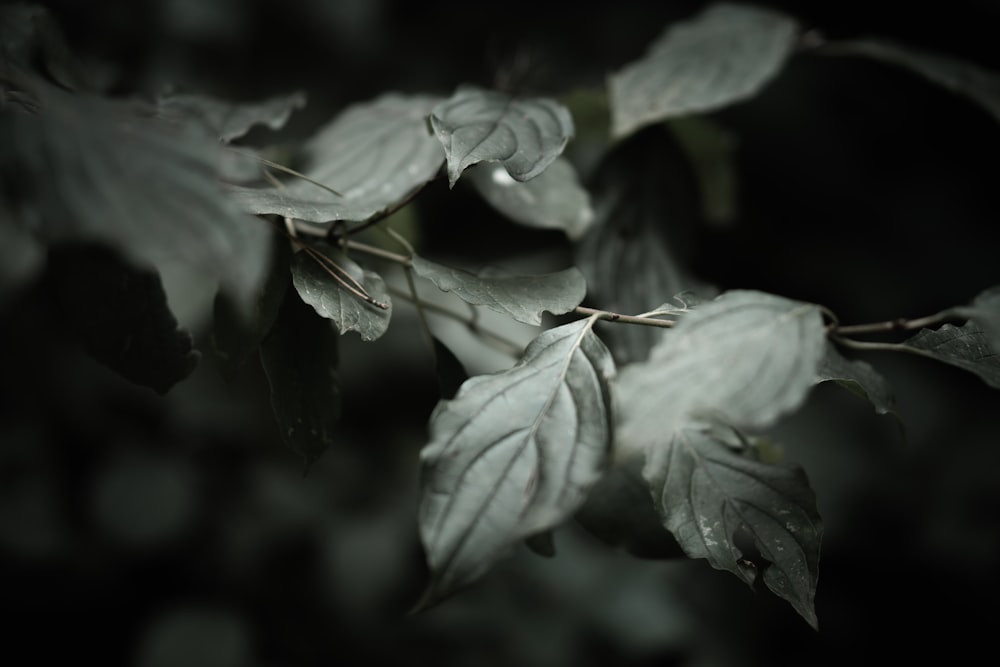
<point>634,361</point>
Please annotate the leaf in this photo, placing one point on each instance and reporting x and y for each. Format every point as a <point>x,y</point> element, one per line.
<point>30,36</point>
<point>231,120</point>
<point>619,511</point>
<point>542,544</point>
<point>22,257</point>
<point>711,150</point>
<point>978,84</point>
<point>317,287</point>
<point>724,55</point>
<point>966,347</point>
<point>524,298</point>
<point>746,358</point>
<point>525,135</point>
<point>513,454</point>
<point>552,200</point>
<point>859,378</point>
<point>120,315</point>
<point>708,495</point>
<point>300,357</point>
<point>89,169</point>
<point>236,337</point>
<point>646,206</point>
<point>374,154</point>
<point>985,313</point>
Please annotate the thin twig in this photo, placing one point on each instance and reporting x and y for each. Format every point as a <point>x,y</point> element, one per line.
<point>890,326</point>
<point>343,278</point>
<point>378,252</point>
<point>287,170</point>
<point>608,316</point>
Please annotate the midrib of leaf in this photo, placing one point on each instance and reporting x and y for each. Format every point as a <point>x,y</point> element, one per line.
<point>532,430</point>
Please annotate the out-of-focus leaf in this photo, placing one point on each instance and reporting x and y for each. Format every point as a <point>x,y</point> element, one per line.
<point>120,314</point>
<point>513,454</point>
<point>524,298</point>
<point>91,169</point>
<point>985,313</point>
<point>450,371</point>
<point>231,120</point>
<point>29,37</point>
<point>858,377</point>
<point>710,149</point>
<point>542,543</point>
<point>300,357</point>
<point>22,257</point>
<point>646,209</point>
<point>236,337</point>
<point>315,282</point>
<point>375,154</point>
<point>708,494</point>
<point>620,512</point>
<point>967,347</point>
<point>978,84</point>
<point>746,359</point>
<point>524,135</point>
<point>552,200</point>
<point>724,55</point>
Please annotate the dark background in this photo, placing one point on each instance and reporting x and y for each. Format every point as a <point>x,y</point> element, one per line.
<point>145,530</point>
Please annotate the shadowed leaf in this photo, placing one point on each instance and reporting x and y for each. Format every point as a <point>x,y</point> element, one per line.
<point>708,494</point>
<point>231,120</point>
<point>967,347</point>
<point>859,378</point>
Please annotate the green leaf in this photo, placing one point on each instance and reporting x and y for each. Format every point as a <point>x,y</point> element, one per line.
<point>985,313</point>
<point>724,55</point>
<point>525,135</point>
<point>552,200</point>
<point>619,511</point>
<point>978,84</point>
<point>300,357</point>
<point>711,150</point>
<point>746,359</point>
<point>235,336</point>
<point>524,298</point>
<point>231,120</point>
<point>317,285</point>
<point>646,205</point>
<point>858,377</point>
<point>90,169</point>
<point>374,154</point>
<point>121,316</point>
<point>709,496</point>
<point>967,347</point>
<point>513,454</point>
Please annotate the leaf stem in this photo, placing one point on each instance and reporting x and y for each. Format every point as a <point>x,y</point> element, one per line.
<point>287,170</point>
<point>890,326</point>
<point>607,316</point>
<point>402,260</point>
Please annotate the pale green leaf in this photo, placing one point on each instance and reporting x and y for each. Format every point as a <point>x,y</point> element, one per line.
<point>90,169</point>
<point>711,497</point>
<point>513,454</point>
<point>231,120</point>
<point>525,135</point>
<point>524,298</point>
<point>978,84</point>
<point>746,358</point>
<point>724,55</point>
<point>321,285</point>
<point>300,357</point>
<point>552,200</point>
<point>374,154</point>
<point>858,377</point>
<point>967,347</point>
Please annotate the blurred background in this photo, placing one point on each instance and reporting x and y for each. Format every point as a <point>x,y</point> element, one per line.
<point>148,530</point>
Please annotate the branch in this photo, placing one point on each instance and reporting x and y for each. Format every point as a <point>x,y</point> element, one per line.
<point>645,319</point>
<point>897,325</point>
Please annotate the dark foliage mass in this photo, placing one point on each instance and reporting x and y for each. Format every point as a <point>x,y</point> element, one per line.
<point>373,331</point>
